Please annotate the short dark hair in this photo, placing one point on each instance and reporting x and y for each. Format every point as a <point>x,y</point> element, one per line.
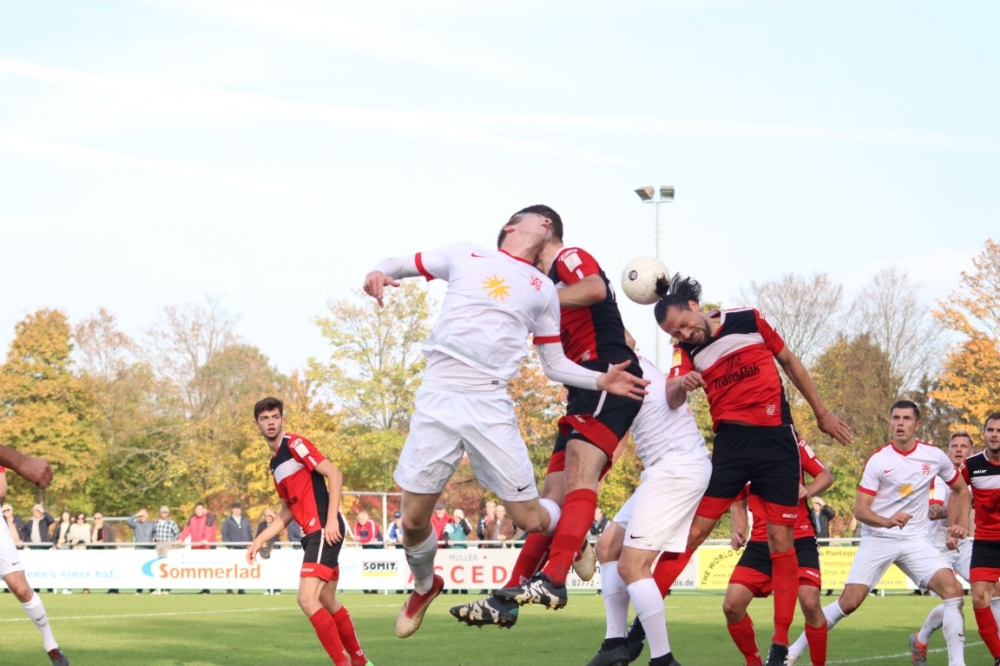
<point>538,209</point>
<point>676,292</point>
<point>266,405</point>
<point>995,416</point>
<point>960,433</point>
<point>906,404</point>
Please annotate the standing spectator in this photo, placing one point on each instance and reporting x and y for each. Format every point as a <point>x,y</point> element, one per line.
<point>79,533</point>
<point>598,526</point>
<point>395,537</point>
<point>14,524</point>
<point>501,528</point>
<point>36,530</point>
<point>456,533</point>
<point>366,532</point>
<point>489,511</point>
<point>295,534</point>
<point>236,529</point>
<point>142,531</point>
<point>165,531</point>
<point>103,534</point>
<point>439,520</point>
<point>267,546</point>
<point>61,530</point>
<point>201,528</point>
<point>821,514</point>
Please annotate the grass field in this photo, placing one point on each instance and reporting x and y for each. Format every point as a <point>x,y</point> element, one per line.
<point>219,629</point>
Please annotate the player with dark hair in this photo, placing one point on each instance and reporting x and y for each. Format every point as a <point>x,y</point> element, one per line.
<point>495,300</point>
<point>891,503</point>
<point>982,473</point>
<point>752,575</point>
<point>593,336</point>
<point>730,354</point>
<point>301,475</point>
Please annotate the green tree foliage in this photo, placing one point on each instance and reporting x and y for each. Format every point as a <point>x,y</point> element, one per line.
<point>44,409</point>
<point>968,382</point>
<point>375,356</point>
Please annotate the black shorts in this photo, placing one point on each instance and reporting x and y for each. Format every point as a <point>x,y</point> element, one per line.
<point>597,417</point>
<point>984,565</point>
<point>765,456</point>
<point>320,559</point>
<point>757,556</point>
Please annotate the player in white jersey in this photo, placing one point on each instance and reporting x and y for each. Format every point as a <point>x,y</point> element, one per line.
<point>495,301</point>
<point>891,503</point>
<point>657,517</point>
<point>959,559</point>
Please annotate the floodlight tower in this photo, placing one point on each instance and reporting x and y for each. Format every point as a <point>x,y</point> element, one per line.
<point>647,194</point>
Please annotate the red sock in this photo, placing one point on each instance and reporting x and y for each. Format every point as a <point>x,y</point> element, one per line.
<point>577,516</point>
<point>348,636</point>
<point>988,629</point>
<point>669,567</point>
<point>326,630</point>
<point>817,644</point>
<point>746,641</point>
<point>785,578</point>
<point>531,556</point>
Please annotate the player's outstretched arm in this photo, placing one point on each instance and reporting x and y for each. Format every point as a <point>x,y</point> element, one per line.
<point>283,517</point>
<point>679,387</point>
<point>825,419</point>
<point>387,274</point>
<point>616,380</point>
<point>335,481</point>
<point>36,470</point>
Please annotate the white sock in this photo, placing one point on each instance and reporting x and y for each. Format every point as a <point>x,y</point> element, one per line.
<point>954,631</point>
<point>421,561</point>
<point>833,615</point>
<point>648,604</point>
<point>934,621</point>
<point>555,512</point>
<point>615,600</point>
<point>995,607</point>
<point>36,613</point>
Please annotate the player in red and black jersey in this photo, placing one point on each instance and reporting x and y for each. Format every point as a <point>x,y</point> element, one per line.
<point>752,575</point>
<point>730,354</point>
<point>593,336</point>
<point>982,473</point>
<point>301,474</point>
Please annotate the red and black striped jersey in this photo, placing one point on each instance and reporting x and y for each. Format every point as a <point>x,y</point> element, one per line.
<point>594,333</point>
<point>304,490</point>
<point>983,477</point>
<point>737,363</point>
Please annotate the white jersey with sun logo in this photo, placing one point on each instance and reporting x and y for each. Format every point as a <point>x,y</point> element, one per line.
<point>901,482</point>
<point>493,304</point>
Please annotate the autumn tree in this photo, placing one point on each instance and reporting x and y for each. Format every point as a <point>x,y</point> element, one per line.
<point>375,359</point>
<point>889,310</point>
<point>805,311</point>
<point>968,381</point>
<point>44,409</point>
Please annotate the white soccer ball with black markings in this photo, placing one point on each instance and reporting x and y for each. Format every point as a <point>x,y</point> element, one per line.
<point>639,279</point>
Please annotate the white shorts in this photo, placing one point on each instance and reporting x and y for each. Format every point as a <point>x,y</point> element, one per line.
<point>10,557</point>
<point>960,560</point>
<point>447,424</point>
<point>659,513</point>
<point>917,558</point>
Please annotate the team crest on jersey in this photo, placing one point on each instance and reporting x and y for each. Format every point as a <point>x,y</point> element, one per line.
<point>676,361</point>
<point>571,259</point>
<point>925,468</point>
<point>536,283</point>
<point>496,288</point>
<point>771,410</point>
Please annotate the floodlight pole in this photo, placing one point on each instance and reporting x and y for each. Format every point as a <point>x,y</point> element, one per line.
<point>646,194</point>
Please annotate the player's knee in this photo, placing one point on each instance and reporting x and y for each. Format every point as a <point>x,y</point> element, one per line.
<point>733,611</point>
<point>18,586</point>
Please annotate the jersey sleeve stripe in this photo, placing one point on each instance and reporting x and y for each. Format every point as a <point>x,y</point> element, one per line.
<point>420,267</point>
<point>862,489</point>
<point>546,339</point>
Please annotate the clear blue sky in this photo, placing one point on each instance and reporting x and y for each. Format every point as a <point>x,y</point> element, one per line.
<point>269,153</point>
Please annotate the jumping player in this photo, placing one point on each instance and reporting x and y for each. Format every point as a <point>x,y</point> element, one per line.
<point>959,559</point>
<point>891,503</point>
<point>730,354</point>
<point>301,474</point>
<point>982,473</point>
<point>752,575</point>
<point>494,301</point>
<point>594,337</point>
<point>12,571</point>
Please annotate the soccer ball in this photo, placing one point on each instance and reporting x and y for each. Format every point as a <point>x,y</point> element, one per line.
<point>639,279</point>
